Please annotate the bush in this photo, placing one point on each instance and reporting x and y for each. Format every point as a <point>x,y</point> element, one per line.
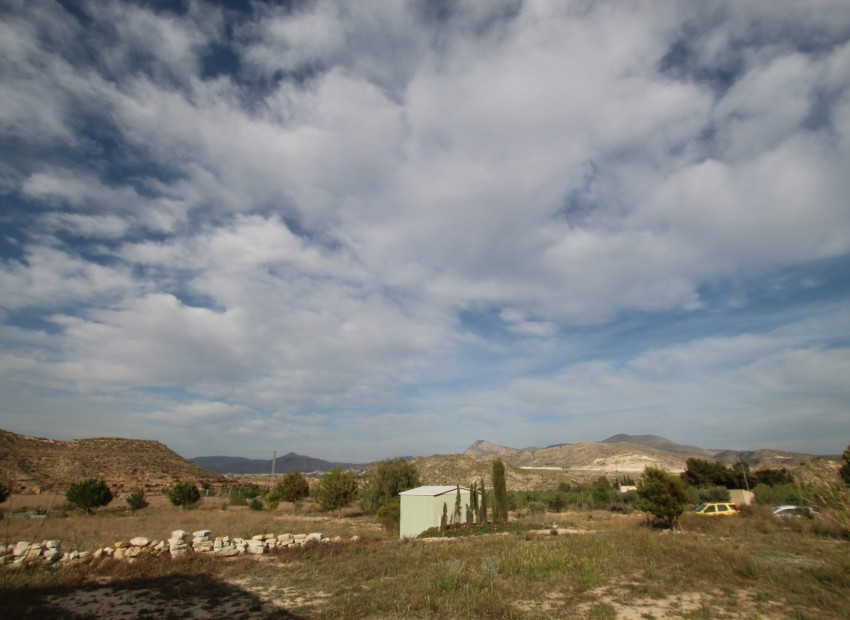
<point>89,494</point>
<point>136,500</point>
<point>390,478</point>
<point>778,494</point>
<point>389,516</point>
<point>183,494</point>
<point>271,499</point>
<point>5,491</point>
<point>256,504</point>
<point>662,496</point>
<point>698,495</point>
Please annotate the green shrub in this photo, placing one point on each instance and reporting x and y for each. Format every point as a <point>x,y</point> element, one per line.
<point>778,494</point>
<point>89,494</point>
<point>389,516</point>
<point>183,494</point>
<point>271,499</point>
<point>256,504</point>
<point>136,500</point>
<point>707,493</point>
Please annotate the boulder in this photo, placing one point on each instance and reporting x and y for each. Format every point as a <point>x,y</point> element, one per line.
<point>140,541</point>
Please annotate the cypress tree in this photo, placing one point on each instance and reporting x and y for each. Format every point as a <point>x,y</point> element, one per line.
<point>500,493</point>
<point>473,500</point>
<point>456,513</point>
<point>483,516</point>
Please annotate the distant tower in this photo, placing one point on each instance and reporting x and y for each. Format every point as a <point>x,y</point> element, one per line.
<point>274,458</point>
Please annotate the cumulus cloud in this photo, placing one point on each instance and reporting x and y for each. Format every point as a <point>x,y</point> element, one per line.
<point>371,213</point>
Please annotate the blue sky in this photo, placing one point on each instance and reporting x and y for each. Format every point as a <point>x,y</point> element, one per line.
<point>357,230</point>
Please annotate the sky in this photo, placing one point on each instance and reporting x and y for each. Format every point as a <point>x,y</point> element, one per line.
<point>358,230</point>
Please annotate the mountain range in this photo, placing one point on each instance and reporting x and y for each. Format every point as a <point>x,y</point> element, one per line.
<point>631,453</point>
<point>37,464</point>
<point>282,464</point>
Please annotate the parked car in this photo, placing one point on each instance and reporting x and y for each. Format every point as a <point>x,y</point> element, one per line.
<point>793,511</point>
<point>716,509</point>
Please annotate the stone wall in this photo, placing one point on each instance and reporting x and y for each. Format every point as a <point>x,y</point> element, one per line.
<point>181,543</point>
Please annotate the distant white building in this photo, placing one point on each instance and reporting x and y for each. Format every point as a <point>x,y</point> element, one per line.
<point>422,508</point>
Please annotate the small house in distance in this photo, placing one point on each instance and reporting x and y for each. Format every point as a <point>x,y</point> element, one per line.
<point>422,508</point>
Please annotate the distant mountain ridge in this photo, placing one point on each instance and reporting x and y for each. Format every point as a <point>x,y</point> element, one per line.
<point>283,464</point>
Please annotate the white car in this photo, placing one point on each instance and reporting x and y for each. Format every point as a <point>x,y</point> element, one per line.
<point>791,510</point>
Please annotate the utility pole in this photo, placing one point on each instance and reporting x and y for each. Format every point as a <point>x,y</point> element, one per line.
<point>274,458</point>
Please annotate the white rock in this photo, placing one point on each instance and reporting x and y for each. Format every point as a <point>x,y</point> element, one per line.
<point>140,541</point>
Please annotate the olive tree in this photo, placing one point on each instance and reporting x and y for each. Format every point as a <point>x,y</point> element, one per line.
<point>389,478</point>
<point>336,490</point>
<point>662,495</point>
<point>89,494</point>
<point>293,488</point>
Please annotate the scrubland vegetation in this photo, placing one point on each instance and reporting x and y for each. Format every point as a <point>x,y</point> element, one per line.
<point>578,551</point>
<point>749,567</point>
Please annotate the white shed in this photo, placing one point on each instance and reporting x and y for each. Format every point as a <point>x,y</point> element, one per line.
<point>422,508</point>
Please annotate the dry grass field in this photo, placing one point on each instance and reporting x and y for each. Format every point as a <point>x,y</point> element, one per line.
<point>745,567</point>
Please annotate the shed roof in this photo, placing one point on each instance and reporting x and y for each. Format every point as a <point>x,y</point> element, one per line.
<point>433,491</point>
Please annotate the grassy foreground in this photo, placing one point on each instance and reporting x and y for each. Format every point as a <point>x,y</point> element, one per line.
<point>748,567</point>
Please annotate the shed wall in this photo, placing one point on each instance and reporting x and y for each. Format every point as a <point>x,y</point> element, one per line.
<point>420,512</point>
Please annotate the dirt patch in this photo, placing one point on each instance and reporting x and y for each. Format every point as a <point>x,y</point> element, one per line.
<point>615,603</point>
<point>196,597</point>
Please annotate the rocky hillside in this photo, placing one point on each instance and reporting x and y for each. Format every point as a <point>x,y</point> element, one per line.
<point>756,459</point>
<point>464,469</point>
<point>599,457</point>
<point>34,464</point>
<point>662,443</point>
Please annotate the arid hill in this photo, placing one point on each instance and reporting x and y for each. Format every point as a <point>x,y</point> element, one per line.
<point>483,448</point>
<point>465,469</point>
<point>756,459</point>
<point>609,459</point>
<point>35,465</point>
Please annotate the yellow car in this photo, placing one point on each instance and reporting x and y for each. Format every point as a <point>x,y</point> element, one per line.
<point>716,509</point>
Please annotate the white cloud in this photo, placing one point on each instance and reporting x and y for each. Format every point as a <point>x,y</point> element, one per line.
<point>329,232</point>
